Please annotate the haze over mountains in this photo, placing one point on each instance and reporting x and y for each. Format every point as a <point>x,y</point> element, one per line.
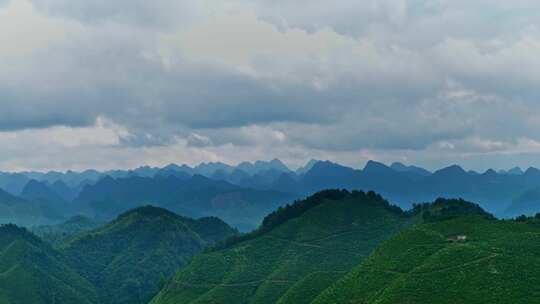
<point>242,195</point>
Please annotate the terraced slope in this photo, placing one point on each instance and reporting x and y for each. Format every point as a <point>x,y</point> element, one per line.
<point>469,259</point>
<point>297,253</point>
<point>32,272</point>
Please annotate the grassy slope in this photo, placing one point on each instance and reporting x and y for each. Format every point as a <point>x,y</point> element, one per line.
<point>32,272</point>
<point>499,263</point>
<point>126,259</point>
<point>293,262</point>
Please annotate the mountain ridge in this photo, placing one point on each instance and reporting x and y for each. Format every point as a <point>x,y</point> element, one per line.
<point>126,258</point>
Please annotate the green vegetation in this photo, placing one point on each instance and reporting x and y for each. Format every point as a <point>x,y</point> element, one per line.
<point>127,259</point>
<point>445,209</point>
<point>61,233</point>
<point>32,272</point>
<point>298,251</point>
<point>467,259</point>
<point>333,247</point>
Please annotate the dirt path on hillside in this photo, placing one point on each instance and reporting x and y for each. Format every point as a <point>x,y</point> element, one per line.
<point>241,284</point>
<point>473,262</point>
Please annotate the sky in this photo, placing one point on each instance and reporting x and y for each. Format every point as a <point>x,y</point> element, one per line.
<point>118,84</point>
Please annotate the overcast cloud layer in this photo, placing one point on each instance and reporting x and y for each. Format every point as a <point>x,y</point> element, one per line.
<point>115,84</point>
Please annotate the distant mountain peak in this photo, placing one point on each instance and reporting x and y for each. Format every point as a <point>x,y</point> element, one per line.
<point>326,164</point>
<point>148,211</point>
<point>171,166</point>
<point>376,167</point>
<point>532,170</point>
<point>400,167</point>
<point>452,170</point>
<point>36,190</point>
<point>208,169</point>
<point>260,166</point>
<point>515,171</point>
<point>307,166</point>
<point>455,167</point>
<point>490,172</point>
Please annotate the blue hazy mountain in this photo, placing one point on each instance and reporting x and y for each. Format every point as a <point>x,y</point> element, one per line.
<point>13,183</point>
<point>397,166</point>
<point>515,171</point>
<point>402,184</point>
<point>307,166</point>
<point>196,196</point>
<point>261,166</point>
<point>527,203</point>
<point>41,191</point>
<point>64,191</point>
<point>16,210</point>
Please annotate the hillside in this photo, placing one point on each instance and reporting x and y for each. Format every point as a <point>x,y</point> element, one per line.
<point>32,272</point>
<point>469,259</point>
<point>297,253</point>
<point>127,258</point>
<point>59,233</point>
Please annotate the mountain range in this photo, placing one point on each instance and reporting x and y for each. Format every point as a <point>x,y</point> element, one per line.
<point>242,195</point>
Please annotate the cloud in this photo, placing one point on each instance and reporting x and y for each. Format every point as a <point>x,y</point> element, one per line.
<point>292,78</point>
<point>155,13</point>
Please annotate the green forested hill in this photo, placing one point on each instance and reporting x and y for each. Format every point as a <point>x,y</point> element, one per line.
<point>297,253</point>
<point>32,272</point>
<point>497,262</point>
<point>127,258</point>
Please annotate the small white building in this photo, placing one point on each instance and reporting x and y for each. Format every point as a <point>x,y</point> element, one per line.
<point>458,238</point>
